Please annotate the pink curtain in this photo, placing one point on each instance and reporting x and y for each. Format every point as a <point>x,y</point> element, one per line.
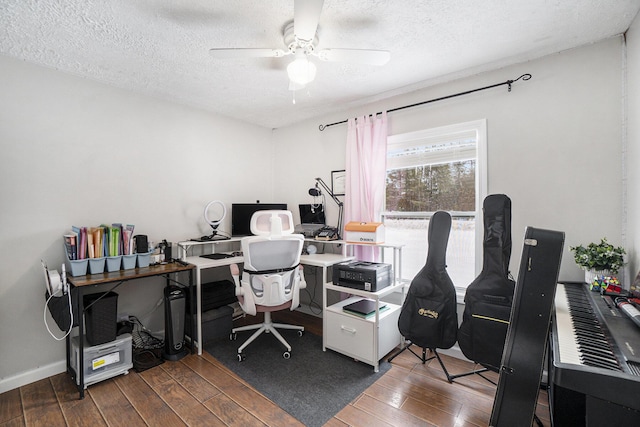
<point>366,168</point>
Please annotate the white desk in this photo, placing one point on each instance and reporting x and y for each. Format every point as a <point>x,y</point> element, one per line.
<point>347,253</point>
<point>317,260</point>
<point>325,261</point>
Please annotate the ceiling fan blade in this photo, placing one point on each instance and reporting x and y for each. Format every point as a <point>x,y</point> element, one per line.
<point>306,15</point>
<point>246,53</point>
<point>358,56</point>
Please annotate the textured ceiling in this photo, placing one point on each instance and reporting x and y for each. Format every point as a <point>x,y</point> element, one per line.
<point>160,47</point>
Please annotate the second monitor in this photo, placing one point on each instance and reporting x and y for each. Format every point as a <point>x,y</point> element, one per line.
<point>241,214</point>
<point>312,219</point>
<point>311,214</point>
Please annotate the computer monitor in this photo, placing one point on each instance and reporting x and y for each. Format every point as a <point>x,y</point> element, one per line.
<point>241,214</point>
<point>312,214</point>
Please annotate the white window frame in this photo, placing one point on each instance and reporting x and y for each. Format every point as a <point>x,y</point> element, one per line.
<point>480,127</point>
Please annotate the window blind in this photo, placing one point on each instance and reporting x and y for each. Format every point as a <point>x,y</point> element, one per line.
<point>431,149</point>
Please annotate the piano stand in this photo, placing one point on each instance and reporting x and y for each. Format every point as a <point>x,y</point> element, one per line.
<point>423,357</point>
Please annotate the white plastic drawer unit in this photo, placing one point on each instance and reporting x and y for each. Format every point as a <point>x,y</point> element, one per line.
<point>102,361</point>
<point>350,335</point>
<point>356,337</point>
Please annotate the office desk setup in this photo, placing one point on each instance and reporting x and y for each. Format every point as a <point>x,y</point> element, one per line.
<point>190,263</point>
<point>83,285</point>
<point>367,339</point>
<point>322,260</point>
<point>199,263</point>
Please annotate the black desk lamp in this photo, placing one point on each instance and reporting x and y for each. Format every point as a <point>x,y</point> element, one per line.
<point>315,192</point>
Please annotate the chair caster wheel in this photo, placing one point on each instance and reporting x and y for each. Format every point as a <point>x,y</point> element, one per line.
<point>286,355</point>
<point>233,336</point>
<point>299,333</point>
<point>241,357</point>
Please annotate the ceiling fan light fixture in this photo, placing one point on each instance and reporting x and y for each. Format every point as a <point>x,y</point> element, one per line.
<point>300,36</point>
<point>301,70</point>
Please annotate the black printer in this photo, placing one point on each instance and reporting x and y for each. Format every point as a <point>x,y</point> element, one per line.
<point>363,275</point>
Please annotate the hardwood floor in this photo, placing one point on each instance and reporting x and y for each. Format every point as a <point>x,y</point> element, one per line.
<point>198,390</point>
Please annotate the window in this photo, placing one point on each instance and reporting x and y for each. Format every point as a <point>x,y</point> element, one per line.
<point>438,169</point>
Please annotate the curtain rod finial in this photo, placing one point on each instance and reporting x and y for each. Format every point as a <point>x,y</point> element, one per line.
<point>525,76</point>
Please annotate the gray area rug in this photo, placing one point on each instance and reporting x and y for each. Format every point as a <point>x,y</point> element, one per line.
<point>312,385</point>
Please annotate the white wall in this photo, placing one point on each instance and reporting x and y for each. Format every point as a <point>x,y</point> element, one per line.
<point>554,143</point>
<point>75,152</point>
<point>633,144</point>
<point>314,154</point>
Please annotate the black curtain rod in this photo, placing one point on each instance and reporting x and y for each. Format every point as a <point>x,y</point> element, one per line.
<point>508,82</point>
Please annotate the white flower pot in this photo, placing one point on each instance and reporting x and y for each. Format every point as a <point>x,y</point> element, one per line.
<point>591,275</point>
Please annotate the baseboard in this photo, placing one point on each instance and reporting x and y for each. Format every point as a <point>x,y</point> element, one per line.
<point>454,352</point>
<point>41,372</point>
<point>34,375</point>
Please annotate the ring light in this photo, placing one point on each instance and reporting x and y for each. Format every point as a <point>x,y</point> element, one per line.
<point>214,223</point>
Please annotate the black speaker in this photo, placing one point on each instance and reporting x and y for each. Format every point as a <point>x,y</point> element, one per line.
<point>168,256</point>
<point>142,244</point>
<point>174,319</point>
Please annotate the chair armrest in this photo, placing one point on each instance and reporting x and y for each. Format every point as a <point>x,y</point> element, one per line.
<point>235,274</point>
<point>303,282</point>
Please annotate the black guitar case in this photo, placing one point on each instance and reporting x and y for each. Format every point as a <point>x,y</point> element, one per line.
<point>428,317</point>
<point>526,343</point>
<point>489,297</point>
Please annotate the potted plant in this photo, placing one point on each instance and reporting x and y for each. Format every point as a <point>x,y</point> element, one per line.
<point>599,259</point>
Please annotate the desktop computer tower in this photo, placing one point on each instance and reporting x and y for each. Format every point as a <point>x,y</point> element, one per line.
<point>174,319</point>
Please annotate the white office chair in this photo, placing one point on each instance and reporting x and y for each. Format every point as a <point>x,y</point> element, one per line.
<point>272,277</point>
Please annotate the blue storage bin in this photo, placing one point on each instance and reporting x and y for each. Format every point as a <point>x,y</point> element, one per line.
<point>129,261</point>
<point>114,263</point>
<point>77,267</point>
<point>144,259</point>
<point>96,265</point>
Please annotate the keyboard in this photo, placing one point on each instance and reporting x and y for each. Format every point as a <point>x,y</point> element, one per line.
<point>217,256</point>
<point>594,368</point>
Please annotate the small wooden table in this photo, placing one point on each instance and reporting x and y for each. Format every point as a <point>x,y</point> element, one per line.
<point>80,284</point>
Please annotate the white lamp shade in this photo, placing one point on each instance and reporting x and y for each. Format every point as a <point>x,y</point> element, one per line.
<point>301,70</point>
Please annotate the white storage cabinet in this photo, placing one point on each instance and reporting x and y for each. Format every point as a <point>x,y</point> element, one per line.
<point>365,339</point>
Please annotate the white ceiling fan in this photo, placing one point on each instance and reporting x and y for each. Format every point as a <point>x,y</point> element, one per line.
<point>301,40</point>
